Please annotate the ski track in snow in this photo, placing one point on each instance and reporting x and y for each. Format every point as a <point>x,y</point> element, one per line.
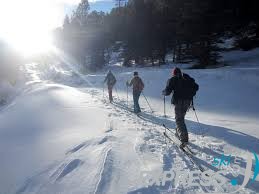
<point>105,174</point>
<point>152,147</point>
<point>153,144</point>
<point>147,145</point>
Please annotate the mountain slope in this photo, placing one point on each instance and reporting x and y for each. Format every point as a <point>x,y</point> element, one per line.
<point>62,136</point>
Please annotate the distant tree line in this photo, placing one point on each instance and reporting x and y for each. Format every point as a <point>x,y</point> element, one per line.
<point>150,30</point>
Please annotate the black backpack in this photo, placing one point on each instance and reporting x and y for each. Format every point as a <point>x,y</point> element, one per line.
<point>186,87</point>
<point>111,80</point>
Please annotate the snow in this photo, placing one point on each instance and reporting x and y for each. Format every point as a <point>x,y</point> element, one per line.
<point>9,91</point>
<point>242,59</point>
<point>6,90</point>
<point>60,135</point>
<point>227,43</point>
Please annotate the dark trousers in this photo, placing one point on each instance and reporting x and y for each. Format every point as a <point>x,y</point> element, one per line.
<point>136,96</point>
<point>181,107</point>
<point>110,93</point>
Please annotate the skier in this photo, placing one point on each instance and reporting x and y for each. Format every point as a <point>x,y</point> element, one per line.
<point>184,89</point>
<point>138,87</point>
<point>111,81</point>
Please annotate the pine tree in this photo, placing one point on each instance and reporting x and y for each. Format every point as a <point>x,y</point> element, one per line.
<point>120,3</point>
<point>148,30</point>
<point>81,12</point>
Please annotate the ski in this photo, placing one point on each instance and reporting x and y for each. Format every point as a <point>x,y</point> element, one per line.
<point>188,154</point>
<point>186,147</point>
<point>167,128</point>
<point>128,109</point>
<point>190,150</point>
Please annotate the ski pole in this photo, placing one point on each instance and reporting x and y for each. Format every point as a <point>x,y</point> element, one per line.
<point>127,95</point>
<point>103,91</point>
<point>165,139</point>
<point>147,102</point>
<point>117,92</point>
<point>198,123</point>
<point>164,107</point>
<point>197,119</point>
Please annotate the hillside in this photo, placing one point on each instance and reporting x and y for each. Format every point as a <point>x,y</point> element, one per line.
<point>61,135</point>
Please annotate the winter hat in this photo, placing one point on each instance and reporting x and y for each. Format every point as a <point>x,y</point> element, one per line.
<point>135,73</point>
<point>176,71</point>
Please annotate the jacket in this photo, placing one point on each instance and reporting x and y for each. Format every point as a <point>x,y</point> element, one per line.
<point>183,88</point>
<point>137,84</point>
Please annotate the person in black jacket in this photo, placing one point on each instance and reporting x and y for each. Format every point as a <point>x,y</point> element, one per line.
<point>183,88</point>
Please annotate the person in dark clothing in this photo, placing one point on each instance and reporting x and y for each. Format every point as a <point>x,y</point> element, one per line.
<point>138,86</point>
<point>111,81</point>
<point>184,88</point>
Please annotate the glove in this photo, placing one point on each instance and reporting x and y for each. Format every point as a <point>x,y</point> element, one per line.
<point>127,83</point>
<point>164,93</point>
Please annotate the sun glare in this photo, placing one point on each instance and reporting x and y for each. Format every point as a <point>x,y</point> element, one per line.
<point>30,43</point>
<point>26,25</point>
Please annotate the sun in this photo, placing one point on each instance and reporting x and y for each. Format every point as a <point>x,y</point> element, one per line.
<point>27,25</point>
<point>32,43</point>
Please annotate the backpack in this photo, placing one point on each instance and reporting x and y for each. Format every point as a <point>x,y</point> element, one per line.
<point>141,85</point>
<point>111,80</point>
<point>138,84</point>
<point>186,87</point>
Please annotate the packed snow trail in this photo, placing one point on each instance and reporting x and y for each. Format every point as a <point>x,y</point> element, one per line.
<point>149,155</point>
<point>68,139</point>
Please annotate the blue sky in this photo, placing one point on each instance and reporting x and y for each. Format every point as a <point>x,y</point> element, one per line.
<point>102,5</point>
<point>105,6</point>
